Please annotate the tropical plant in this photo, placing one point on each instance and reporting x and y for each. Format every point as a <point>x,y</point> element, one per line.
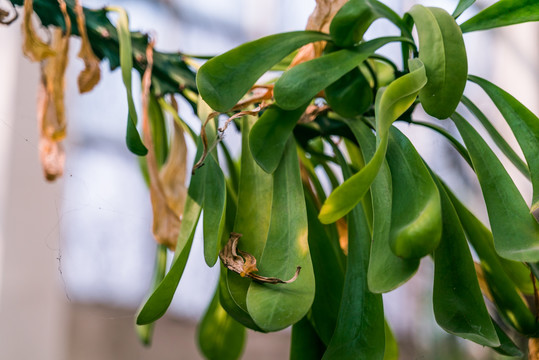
<point>298,246</point>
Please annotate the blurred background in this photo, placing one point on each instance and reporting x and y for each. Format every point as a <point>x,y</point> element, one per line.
<point>76,255</point>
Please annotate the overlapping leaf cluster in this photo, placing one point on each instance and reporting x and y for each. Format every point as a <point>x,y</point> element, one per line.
<point>272,213</point>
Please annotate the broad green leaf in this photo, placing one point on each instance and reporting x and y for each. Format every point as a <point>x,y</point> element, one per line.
<point>416,216</point>
<point>328,275</point>
<point>392,347</point>
<point>458,304</point>
<point>442,50</point>
<point>223,80</point>
<point>133,141</point>
<point>507,346</point>
<point>456,144</point>
<point>525,126</point>
<point>219,336</point>
<point>461,7</point>
<point>252,220</point>
<point>214,209</point>
<point>301,83</point>
<point>355,17</point>
<point>515,231</point>
<point>274,307</point>
<point>497,137</point>
<point>145,332</point>
<point>503,13</point>
<point>269,135</point>
<point>350,95</point>
<point>305,343</point>
<point>158,303</point>
<point>360,332</point>
<point>386,270</point>
<point>391,102</point>
<point>511,306</point>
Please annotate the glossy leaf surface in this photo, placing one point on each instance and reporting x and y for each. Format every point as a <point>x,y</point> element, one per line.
<point>515,231</point>
<point>274,307</point>
<point>223,80</point>
<point>442,50</point>
<point>503,13</point>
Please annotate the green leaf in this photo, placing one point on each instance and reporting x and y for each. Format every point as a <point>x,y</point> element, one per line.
<point>219,336</point>
<point>392,347</point>
<point>158,130</point>
<point>252,220</point>
<point>503,13</point>
<point>350,95</point>
<point>511,306</point>
<point>442,50</point>
<point>133,141</point>
<point>386,270</point>
<point>457,300</point>
<point>305,343</point>
<point>391,102</point>
<point>301,83</point>
<point>416,216</point>
<point>525,126</point>
<point>516,233</point>
<point>145,332</point>
<point>507,346</point>
<point>269,135</point>
<point>214,209</point>
<point>461,7</point>
<point>355,17</point>
<point>360,332</point>
<point>223,80</point>
<point>328,275</point>
<point>274,307</point>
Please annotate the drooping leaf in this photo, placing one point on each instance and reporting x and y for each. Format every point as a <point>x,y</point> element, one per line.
<point>508,301</point>
<point>145,332</point>
<point>416,216</point>
<point>442,50</point>
<point>360,332</point>
<point>515,231</point>
<point>301,83</point>
<point>219,336</point>
<point>356,16</point>
<point>503,13</point>
<point>525,126</point>
<point>497,137</point>
<point>391,102</point>
<point>252,220</point>
<point>133,141</point>
<point>305,343</point>
<point>269,135</point>
<point>386,271</point>
<point>458,304</point>
<point>33,47</point>
<point>223,80</point>
<point>461,7</point>
<point>350,95</point>
<point>274,307</point>
<point>90,76</point>
<point>328,275</point>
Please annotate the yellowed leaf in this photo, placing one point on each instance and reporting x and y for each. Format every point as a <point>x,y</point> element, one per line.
<point>244,264</point>
<point>33,47</point>
<point>167,185</point>
<point>90,76</point>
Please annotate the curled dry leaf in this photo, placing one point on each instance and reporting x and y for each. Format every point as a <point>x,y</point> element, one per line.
<point>33,47</point>
<point>51,110</point>
<point>5,15</point>
<point>90,76</point>
<point>167,185</point>
<point>245,263</point>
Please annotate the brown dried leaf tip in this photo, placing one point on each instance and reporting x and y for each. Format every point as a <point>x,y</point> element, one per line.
<point>245,263</point>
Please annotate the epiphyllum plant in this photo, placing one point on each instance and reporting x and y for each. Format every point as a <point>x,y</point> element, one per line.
<point>292,253</point>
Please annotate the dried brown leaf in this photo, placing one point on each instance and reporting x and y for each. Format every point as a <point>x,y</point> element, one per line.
<point>482,281</point>
<point>244,264</point>
<point>533,349</point>
<point>5,14</point>
<point>342,229</point>
<point>90,76</point>
<point>167,185</point>
<point>33,47</point>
